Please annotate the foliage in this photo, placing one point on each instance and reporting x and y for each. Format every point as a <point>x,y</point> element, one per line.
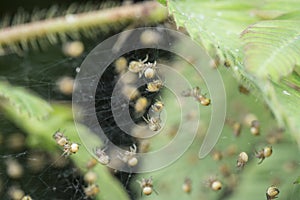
<point>41,131</point>
<point>253,180</point>
<point>272,48</point>
<point>23,101</point>
<point>260,41</point>
<point>55,25</point>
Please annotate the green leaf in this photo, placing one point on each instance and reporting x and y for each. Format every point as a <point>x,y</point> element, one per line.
<point>252,181</point>
<point>163,2</point>
<point>40,136</point>
<point>288,95</point>
<point>295,15</point>
<point>217,25</point>
<point>23,101</point>
<point>272,48</point>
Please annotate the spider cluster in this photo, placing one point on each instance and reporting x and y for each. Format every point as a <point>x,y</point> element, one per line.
<point>150,72</point>
<point>90,179</point>
<point>153,117</point>
<point>63,141</point>
<point>15,193</point>
<point>250,120</point>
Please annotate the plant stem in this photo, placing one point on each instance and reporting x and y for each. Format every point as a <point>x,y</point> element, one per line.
<point>147,11</point>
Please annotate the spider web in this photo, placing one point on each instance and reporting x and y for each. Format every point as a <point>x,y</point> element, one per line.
<point>57,177</point>
<point>44,175</point>
<point>48,175</point>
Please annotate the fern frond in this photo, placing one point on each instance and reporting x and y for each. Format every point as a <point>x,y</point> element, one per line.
<point>23,101</point>
<point>293,81</point>
<point>272,48</point>
<point>217,25</point>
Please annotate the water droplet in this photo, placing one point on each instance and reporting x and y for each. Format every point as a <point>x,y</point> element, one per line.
<point>286,93</point>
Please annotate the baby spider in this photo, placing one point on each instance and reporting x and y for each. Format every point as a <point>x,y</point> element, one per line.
<point>264,153</point>
<point>60,139</point>
<point>243,90</point>
<point>196,93</point>
<point>242,159</point>
<point>143,68</point>
<point>26,197</point>
<point>153,123</point>
<point>71,148</point>
<point>157,106</point>
<point>203,99</point>
<point>91,190</point>
<point>121,65</point>
<point>149,71</point>
<point>141,105</point>
<point>154,86</point>
<point>187,185</point>
<point>236,126</point>
<point>255,127</point>
<point>217,155</point>
<point>137,66</point>
<point>214,184</point>
<point>91,163</point>
<point>272,193</point>
<point>147,186</point>
<point>129,156</point>
<point>103,158</point>
<point>191,92</point>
